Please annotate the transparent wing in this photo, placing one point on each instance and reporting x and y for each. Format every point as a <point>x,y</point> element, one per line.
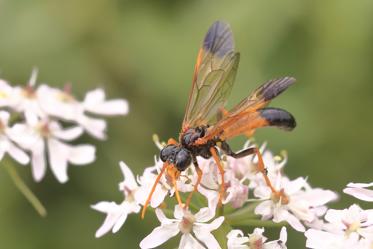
<point>249,115</point>
<point>263,95</point>
<point>214,75</point>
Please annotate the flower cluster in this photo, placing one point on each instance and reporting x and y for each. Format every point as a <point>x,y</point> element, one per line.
<point>40,121</point>
<point>248,202</point>
<point>348,228</point>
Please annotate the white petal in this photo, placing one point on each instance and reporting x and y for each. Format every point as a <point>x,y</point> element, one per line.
<point>317,197</point>
<point>112,107</point>
<point>106,225</point>
<point>237,240</point>
<point>68,134</point>
<point>212,198</point>
<point>324,240</point>
<point>25,136</point>
<point>58,156</point>
<point>4,118</point>
<point>116,215</point>
<point>283,235</point>
<point>129,178</point>
<point>264,208</point>
<point>188,242</point>
<point>120,221</point>
<point>204,214</point>
<point>203,233</point>
<point>33,77</point>
<point>95,127</point>
<point>160,235</point>
<point>215,224</point>
<point>95,102</point>
<point>104,206</point>
<point>294,186</point>
<point>82,154</point>
<point>38,161</point>
<point>262,192</point>
<point>2,153</point>
<point>360,193</point>
<point>162,218</point>
<point>178,212</point>
<point>18,154</point>
<point>360,185</point>
<point>158,196</point>
<point>94,96</point>
<point>284,215</point>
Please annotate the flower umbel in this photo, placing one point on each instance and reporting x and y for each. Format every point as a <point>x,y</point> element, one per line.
<point>40,121</point>
<point>193,228</point>
<point>297,203</point>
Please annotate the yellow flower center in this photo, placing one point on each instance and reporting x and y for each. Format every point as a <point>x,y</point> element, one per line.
<point>186,224</point>
<point>255,242</point>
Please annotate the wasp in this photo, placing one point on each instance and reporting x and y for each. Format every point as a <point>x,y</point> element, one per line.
<point>207,125</point>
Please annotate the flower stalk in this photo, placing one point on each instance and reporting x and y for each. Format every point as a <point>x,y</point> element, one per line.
<point>25,190</point>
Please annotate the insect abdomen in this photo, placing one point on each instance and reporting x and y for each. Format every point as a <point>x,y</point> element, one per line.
<point>278,117</point>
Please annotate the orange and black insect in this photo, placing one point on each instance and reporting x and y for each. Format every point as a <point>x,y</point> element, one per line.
<point>207,126</point>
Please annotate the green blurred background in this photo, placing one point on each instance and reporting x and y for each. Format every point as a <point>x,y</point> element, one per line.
<point>145,51</point>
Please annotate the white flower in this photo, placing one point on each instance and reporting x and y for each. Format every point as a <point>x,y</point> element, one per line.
<point>26,100</point>
<point>352,220</point>
<point>296,202</point>
<point>62,104</point>
<point>163,188</point>
<point>6,95</point>
<point>117,214</point>
<point>325,240</point>
<point>7,146</point>
<point>237,240</point>
<point>237,192</point>
<point>95,102</point>
<point>360,191</point>
<point>147,181</point>
<point>43,133</point>
<point>256,240</point>
<point>186,223</point>
<point>348,228</point>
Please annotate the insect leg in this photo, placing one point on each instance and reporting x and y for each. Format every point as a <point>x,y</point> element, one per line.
<point>227,149</point>
<point>165,166</point>
<point>249,151</point>
<point>199,173</point>
<point>214,154</point>
<point>174,174</point>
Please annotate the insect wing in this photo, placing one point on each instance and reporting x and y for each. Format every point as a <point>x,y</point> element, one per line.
<point>250,113</point>
<point>214,75</point>
<point>263,95</point>
<point>249,122</point>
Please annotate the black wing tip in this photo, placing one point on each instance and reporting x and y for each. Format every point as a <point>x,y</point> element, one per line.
<point>212,43</point>
<point>279,118</point>
<point>275,87</point>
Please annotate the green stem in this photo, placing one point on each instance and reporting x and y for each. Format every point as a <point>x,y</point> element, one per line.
<point>27,193</point>
<point>255,223</point>
<point>243,213</point>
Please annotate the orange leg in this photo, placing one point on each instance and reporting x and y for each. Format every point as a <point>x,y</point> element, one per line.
<point>174,174</point>
<point>199,173</point>
<point>165,166</point>
<point>263,170</point>
<point>221,170</point>
<point>249,151</point>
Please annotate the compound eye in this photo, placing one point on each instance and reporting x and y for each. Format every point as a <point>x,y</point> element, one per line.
<point>183,159</point>
<point>167,152</point>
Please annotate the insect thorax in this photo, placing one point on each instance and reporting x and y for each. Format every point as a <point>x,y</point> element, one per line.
<point>190,136</point>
